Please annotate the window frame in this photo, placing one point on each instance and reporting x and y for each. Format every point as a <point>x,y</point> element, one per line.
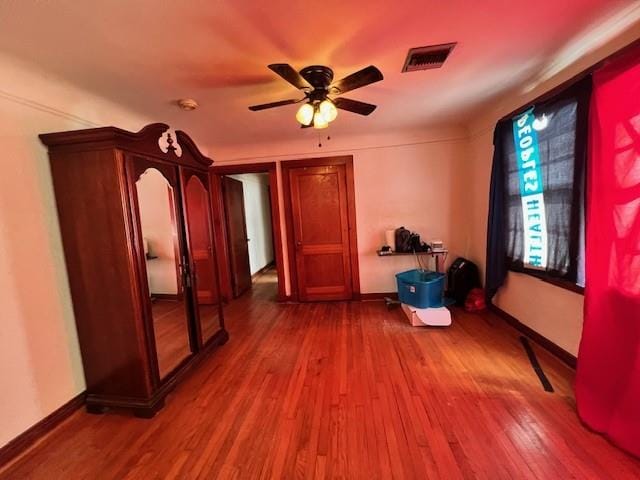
<point>580,90</point>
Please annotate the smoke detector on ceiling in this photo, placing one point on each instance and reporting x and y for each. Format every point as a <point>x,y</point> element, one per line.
<point>426,58</point>
<point>187,104</point>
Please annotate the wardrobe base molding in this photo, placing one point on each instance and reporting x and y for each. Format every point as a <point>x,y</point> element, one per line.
<point>147,408</point>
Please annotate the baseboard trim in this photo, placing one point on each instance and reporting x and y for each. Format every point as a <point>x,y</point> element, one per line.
<point>544,342</point>
<point>174,297</point>
<point>367,297</point>
<point>26,439</point>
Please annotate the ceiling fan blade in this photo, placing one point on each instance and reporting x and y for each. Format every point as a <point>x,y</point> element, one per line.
<point>287,72</point>
<point>255,108</point>
<point>354,106</point>
<point>359,79</point>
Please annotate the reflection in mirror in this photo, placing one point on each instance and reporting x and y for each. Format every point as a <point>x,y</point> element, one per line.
<point>197,201</point>
<point>162,251</point>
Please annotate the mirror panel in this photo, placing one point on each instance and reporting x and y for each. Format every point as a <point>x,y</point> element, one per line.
<point>156,202</point>
<point>204,262</point>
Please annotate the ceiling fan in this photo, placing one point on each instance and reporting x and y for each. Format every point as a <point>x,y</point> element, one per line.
<point>321,96</point>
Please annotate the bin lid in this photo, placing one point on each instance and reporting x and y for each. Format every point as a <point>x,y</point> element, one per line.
<point>419,276</point>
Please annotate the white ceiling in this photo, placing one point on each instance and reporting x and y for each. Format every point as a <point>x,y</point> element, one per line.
<point>148,53</point>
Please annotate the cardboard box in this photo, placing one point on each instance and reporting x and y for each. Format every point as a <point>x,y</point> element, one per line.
<point>423,317</point>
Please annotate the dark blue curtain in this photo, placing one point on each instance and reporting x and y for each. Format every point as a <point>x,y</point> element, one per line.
<point>496,267</point>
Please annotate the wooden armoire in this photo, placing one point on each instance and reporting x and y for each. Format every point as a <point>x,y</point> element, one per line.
<point>135,217</point>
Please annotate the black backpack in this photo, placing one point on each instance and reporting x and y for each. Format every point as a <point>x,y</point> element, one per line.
<point>403,240</point>
<point>461,278</point>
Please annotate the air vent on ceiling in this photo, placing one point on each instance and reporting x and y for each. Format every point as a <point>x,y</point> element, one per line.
<point>425,58</point>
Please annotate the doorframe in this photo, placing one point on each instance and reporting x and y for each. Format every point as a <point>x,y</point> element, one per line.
<point>347,161</point>
<point>216,173</point>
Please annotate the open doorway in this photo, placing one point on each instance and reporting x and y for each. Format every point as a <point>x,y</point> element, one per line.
<point>248,231</point>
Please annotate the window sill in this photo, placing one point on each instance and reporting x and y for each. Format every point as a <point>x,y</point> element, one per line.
<point>566,284</point>
<point>558,282</point>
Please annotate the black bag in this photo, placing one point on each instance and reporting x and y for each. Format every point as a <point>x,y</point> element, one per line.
<point>416,245</point>
<point>403,240</point>
<point>461,278</point>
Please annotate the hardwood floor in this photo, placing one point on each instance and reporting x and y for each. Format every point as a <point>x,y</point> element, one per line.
<point>267,282</point>
<point>344,390</point>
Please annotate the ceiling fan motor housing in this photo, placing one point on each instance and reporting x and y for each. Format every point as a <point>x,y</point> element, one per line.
<point>318,76</point>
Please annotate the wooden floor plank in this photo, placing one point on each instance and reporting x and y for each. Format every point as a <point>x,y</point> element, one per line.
<point>344,390</point>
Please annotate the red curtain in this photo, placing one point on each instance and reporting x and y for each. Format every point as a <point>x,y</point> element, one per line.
<point>608,375</point>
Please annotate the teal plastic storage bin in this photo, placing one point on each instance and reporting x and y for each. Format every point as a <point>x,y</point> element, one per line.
<point>421,288</point>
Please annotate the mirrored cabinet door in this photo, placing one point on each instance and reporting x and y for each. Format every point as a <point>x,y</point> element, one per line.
<point>161,237</point>
<point>197,205</point>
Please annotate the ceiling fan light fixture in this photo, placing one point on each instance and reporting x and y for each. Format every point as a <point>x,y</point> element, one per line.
<point>305,114</point>
<point>319,120</point>
<point>328,110</point>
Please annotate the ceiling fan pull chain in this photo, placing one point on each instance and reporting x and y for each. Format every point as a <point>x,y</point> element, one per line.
<point>320,140</point>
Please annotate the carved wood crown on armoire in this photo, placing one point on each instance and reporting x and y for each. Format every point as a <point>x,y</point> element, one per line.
<point>135,218</point>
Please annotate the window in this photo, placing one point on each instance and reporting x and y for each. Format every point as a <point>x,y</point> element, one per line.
<point>537,201</point>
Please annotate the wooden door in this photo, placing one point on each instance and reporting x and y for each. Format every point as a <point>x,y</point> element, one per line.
<point>236,235</point>
<point>321,232</point>
<point>200,239</point>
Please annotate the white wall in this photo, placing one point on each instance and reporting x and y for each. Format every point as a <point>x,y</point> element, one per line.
<point>40,365</point>
<point>406,179</point>
<point>414,186</point>
<point>255,188</point>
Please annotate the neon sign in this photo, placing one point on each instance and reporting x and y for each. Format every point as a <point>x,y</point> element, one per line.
<point>534,216</point>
